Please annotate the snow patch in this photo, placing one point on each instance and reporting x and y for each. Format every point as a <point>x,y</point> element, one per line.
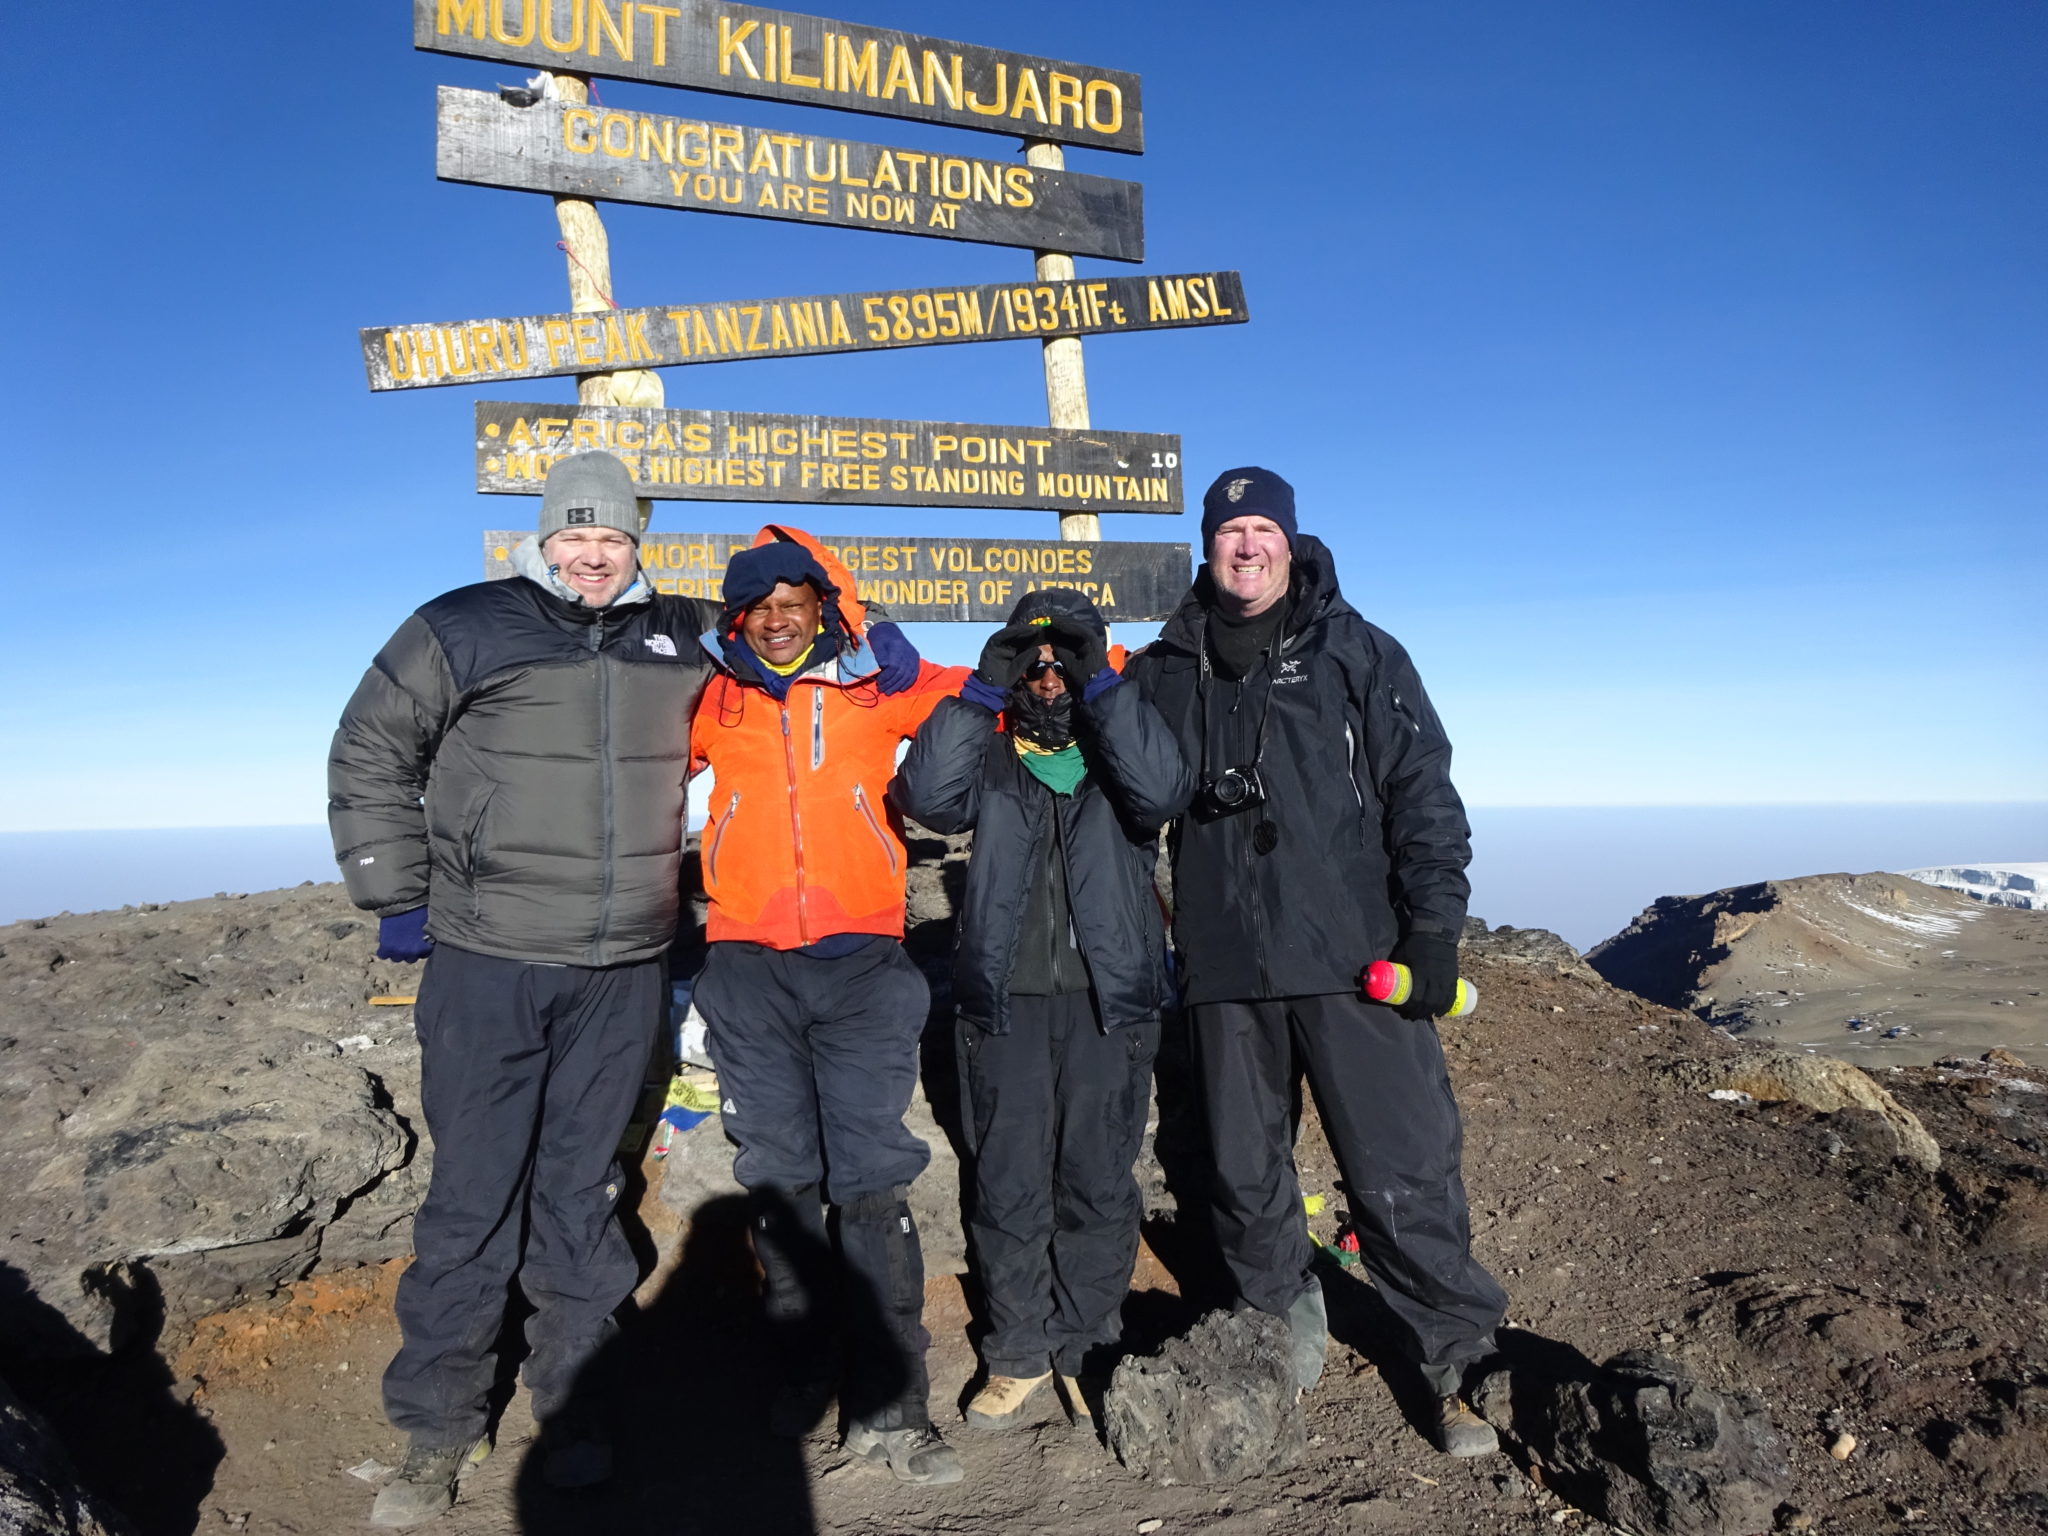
<point>1913,922</point>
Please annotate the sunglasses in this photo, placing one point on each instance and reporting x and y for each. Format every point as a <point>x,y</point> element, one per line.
<point>1039,668</point>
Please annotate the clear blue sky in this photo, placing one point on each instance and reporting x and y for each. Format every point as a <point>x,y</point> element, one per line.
<point>1672,379</point>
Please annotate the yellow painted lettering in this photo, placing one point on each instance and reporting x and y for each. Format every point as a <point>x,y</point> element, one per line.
<point>732,45</point>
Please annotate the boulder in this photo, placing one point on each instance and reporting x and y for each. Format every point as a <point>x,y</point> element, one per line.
<point>1215,1405</point>
<point>39,1491</point>
<point>1818,1082</point>
<point>189,1096</point>
<point>1641,1444</point>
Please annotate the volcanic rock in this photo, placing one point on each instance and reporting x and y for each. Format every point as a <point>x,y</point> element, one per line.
<point>1644,1446</point>
<point>39,1490</point>
<point>1215,1405</point>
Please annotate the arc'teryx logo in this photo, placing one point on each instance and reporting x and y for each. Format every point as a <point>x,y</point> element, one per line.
<point>1290,672</point>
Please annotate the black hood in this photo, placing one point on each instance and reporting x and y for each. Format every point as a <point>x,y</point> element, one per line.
<point>1059,603</point>
<point>1312,596</point>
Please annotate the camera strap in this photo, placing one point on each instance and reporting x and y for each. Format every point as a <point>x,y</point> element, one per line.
<point>1207,677</point>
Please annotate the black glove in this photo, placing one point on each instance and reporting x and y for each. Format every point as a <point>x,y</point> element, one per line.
<point>1076,647</point>
<point>1433,963</point>
<point>1009,651</point>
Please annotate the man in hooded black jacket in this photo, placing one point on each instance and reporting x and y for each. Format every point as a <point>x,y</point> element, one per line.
<point>1059,979</point>
<point>1324,834</point>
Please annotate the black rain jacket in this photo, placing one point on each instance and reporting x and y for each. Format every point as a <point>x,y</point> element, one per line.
<point>516,762</point>
<point>1369,839</point>
<point>962,773</point>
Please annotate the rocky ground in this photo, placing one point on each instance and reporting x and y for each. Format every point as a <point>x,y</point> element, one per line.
<point>1893,1312</point>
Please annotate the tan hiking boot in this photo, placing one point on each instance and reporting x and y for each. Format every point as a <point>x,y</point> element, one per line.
<point>1000,1404</point>
<point>1460,1431</point>
<point>1077,1405</point>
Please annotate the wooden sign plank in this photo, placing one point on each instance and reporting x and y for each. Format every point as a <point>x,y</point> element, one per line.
<point>677,162</point>
<point>679,455</point>
<point>925,579</point>
<point>745,50</point>
<point>665,336</point>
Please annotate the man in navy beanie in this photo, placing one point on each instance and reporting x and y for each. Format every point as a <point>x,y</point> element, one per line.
<point>1324,834</point>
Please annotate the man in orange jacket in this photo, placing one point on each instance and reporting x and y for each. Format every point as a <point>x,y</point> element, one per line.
<point>813,1010</point>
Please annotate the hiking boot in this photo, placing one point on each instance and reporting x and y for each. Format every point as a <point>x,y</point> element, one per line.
<point>575,1452</point>
<point>915,1455</point>
<point>1460,1431</point>
<point>1078,1411</point>
<point>424,1488</point>
<point>1309,1322</point>
<point>1000,1403</point>
<point>798,1406</point>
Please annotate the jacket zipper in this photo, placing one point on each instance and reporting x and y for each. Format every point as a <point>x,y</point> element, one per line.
<point>860,799</point>
<point>796,825</point>
<point>732,807</point>
<point>604,754</point>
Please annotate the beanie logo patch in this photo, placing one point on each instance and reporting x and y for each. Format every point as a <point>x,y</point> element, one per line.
<point>580,515</point>
<point>1234,492</point>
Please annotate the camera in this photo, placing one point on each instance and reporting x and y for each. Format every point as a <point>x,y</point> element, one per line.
<point>1232,790</point>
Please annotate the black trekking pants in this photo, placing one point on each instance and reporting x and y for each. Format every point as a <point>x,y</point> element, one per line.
<point>817,1061</point>
<point>1054,1112</point>
<point>1385,1100</point>
<point>528,1075</point>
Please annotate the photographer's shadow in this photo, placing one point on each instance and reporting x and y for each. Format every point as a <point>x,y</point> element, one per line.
<point>685,1388</point>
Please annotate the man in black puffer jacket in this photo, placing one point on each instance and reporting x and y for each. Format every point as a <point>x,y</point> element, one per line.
<point>1059,981</point>
<point>1324,835</point>
<point>506,793</point>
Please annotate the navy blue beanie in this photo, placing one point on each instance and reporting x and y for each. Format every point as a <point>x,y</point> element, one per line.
<point>1247,492</point>
<point>753,573</point>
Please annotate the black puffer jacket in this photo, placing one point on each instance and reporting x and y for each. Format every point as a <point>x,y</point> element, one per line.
<point>517,762</point>
<point>962,773</point>
<point>1369,839</point>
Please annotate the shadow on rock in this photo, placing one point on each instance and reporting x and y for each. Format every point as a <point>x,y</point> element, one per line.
<point>135,1443</point>
<point>1636,1440</point>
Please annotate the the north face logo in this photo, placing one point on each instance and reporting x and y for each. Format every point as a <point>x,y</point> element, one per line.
<point>581,515</point>
<point>661,645</point>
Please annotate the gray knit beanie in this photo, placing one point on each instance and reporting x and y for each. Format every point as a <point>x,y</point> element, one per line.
<point>589,490</point>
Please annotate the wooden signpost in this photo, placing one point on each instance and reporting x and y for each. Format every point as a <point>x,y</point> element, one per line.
<point>680,455</point>
<point>667,336</point>
<point>553,135</point>
<point>929,579</point>
<point>678,162</point>
<point>745,50</point>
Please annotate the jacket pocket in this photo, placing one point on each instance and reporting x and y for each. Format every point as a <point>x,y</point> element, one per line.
<point>718,831</point>
<point>860,799</point>
<point>473,841</point>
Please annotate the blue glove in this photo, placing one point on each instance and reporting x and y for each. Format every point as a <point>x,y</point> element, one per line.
<point>901,665</point>
<point>403,936</point>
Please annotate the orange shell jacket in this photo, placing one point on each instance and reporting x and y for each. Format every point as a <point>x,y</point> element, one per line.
<point>801,843</point>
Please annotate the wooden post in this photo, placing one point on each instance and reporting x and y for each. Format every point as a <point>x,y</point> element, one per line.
<point>1066,381</point>
<point>589,260</point>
